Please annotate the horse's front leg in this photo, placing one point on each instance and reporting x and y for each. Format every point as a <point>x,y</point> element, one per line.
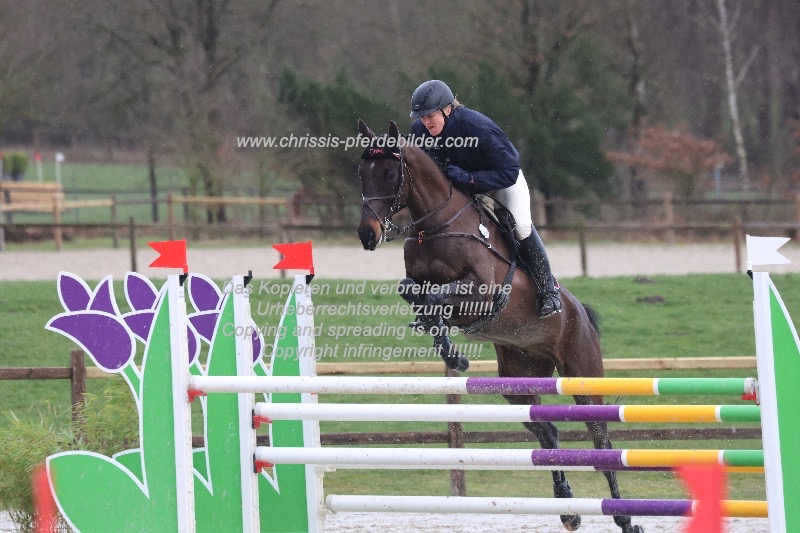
<point>432,309</point>
<point>547,435</point>
<point>599,433</point>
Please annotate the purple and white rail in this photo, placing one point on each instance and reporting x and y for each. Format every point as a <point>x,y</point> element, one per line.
<point>538,506</point>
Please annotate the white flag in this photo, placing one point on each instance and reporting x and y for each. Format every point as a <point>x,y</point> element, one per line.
<point>764,251</point>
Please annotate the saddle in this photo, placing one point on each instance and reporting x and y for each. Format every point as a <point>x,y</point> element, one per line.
<point>504,222</point>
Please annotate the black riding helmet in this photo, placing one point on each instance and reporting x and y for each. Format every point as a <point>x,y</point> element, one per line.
<point>429,97</point>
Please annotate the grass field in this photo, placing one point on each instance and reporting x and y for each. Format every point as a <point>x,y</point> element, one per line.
<point>662,316</point>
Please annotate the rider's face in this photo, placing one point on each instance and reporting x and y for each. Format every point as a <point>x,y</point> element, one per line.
<point>435,121</point>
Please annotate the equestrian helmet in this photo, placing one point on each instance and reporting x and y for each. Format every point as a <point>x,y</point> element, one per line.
<point>429,97</point>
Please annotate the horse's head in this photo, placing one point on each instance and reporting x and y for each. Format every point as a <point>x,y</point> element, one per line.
<point>381,184</point>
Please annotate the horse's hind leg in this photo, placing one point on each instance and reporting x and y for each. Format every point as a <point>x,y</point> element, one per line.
<point>512,362</point>
<point>599,433</point>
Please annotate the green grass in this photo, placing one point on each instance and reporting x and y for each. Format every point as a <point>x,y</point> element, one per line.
<point>696,316</point>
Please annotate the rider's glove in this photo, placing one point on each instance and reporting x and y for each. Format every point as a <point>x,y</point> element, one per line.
<point>460,176</point>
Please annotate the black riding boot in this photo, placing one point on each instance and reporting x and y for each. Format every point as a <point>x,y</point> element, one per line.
<point>548,301</point>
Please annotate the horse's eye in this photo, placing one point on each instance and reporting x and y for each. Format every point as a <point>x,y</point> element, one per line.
<point>392,175</point>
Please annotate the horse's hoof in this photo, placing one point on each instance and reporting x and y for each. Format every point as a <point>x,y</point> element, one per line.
<point>562,489</point>
<point>571,522</point>
<point>459,363</point>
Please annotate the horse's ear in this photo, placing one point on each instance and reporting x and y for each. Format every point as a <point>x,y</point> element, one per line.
<point>394,133</point>
<point>364,130</point>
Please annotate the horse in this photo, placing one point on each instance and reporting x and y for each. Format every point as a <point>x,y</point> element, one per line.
<point>457,260</point>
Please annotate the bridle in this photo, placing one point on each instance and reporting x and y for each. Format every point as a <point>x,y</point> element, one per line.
<point>387,224</point>
<point>397,205</point>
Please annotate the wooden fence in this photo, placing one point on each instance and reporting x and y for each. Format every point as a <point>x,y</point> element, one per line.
<point>43,197</point>
<point>665,218</point>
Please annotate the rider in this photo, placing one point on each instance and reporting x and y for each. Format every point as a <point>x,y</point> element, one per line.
<point>491,165</point>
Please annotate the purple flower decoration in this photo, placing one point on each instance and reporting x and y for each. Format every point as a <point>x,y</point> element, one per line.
<point>143,298</point>
<point>207,299</point>
<point>204,293</point>
<point>140,292</point>
<point>73,292</point>
<point>92,321</point>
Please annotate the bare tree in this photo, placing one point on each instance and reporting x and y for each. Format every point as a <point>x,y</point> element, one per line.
<point>727,27</point>
<point>636,185</point>
<point>188,52</point>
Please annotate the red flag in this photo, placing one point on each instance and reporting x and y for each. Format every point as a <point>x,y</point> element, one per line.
<point>44,503</point>
<point>706,484</point>
<point>172,254</point>
<point>295,255</point>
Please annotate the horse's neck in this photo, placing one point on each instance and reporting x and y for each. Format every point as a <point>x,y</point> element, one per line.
<point>431,191</point>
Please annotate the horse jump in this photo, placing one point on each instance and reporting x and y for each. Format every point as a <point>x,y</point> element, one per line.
<point>309,506</point>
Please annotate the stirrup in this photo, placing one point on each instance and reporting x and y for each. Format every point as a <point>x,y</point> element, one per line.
<point>554,308</point>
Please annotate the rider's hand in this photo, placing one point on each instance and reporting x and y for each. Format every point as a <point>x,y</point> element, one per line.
<point>459,176</point>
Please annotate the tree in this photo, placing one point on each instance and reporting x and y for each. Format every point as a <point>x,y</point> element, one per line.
<point>726,28</point>
<point>329,111</point>
<point>187,53</point>
<point>684,159</point>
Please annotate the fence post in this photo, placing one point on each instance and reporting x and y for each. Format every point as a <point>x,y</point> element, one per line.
<point>58,234</point>
<point>455,430</point>
<point>738,232</point>
<point>114,233</point>
<point>669,214</point>
<point>539,212</point>
<point>77,378</point>
<point>582,243</point>
<point>171,215</point>
<point>797,214</point>
<point>132,241</point>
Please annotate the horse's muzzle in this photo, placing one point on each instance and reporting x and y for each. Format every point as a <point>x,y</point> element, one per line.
<point>370,234</point>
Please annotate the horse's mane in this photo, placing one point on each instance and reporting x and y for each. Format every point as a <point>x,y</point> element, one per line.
<point>420,160</point>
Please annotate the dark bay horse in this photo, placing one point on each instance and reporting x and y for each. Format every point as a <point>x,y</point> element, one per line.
<point>457,262</point>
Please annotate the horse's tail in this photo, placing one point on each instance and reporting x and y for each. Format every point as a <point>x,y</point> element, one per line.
<point>594,317</point>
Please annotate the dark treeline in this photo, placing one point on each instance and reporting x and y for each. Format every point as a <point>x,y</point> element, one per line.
<point>602,98</point>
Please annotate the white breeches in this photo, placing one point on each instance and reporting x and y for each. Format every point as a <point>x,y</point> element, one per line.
<point>517,199</point>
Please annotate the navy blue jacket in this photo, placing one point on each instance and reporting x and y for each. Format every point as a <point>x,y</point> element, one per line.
<point>492,164</point>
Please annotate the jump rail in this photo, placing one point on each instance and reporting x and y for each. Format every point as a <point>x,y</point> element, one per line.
<point>507,413</point>
<point>477,385</point>
<point>538,506</point>
<point>489,459</point>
